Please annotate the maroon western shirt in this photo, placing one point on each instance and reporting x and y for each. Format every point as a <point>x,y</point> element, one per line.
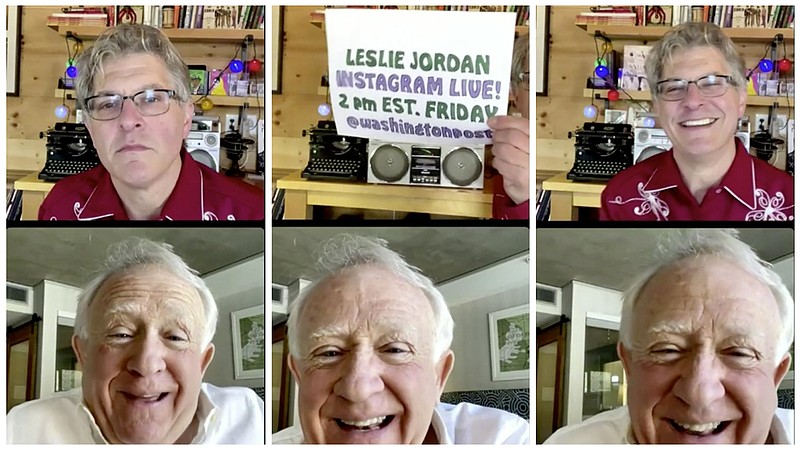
<point>199,194</point>
<point>653,189</point>
<point>505,208</point>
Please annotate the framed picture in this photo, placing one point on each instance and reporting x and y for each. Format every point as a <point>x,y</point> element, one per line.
<point>542,48</point>
<point>277,48</point>
<point>13,33</point>
<point>509,336</point>
<point>247,327</point>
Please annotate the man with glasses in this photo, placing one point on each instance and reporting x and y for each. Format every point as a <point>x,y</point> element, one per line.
<point>511,143</point>
<point>134,88</point>
<point>699,93</point>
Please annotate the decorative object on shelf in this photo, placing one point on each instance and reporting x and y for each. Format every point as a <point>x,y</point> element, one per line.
<point>509,337</point>
<point>62,111</point>
<point>248,332</point>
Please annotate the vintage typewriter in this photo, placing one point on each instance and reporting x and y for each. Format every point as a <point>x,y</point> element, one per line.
<point>602,150</point>
<point>69,151</point>
<point>335,157</point>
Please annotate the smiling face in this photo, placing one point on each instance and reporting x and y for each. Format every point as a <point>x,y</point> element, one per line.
<point>143,363</point>
<point>139,151</point>
<point>366,370</point>
<point>702,364</point>
<point>699,125</point>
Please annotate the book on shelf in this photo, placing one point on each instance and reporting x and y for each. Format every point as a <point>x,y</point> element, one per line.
<point>738,16</point>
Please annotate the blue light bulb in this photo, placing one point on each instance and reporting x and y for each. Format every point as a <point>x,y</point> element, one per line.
<point>72,71</point>
<point>649,122</point>
<point>236,66</point>
<point>590,111</point>
<point>324,109</point>
<point>601,71</point>
<point>766,65</point>
<point>62,111</point>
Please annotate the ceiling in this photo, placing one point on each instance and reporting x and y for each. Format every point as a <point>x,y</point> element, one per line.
<point>73,256</point>
<point>441,253</point>
<point>612,257</point>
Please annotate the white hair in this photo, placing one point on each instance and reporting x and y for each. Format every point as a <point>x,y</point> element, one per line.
<point>724,244</point>
<point>136,252</point>
<point>346,251</point>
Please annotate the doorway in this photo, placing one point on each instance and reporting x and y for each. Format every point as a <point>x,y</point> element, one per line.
<point>550,360</point>
<point>21,348</point>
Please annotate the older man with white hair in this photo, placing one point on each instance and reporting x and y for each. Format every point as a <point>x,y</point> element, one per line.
<point>704,340</point>
<point>370,351</point>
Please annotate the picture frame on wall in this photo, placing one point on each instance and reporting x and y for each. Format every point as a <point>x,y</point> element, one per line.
<point>13,36</point>
<point>509,337</point>
<point>542,48</point>
<point>247,328</point>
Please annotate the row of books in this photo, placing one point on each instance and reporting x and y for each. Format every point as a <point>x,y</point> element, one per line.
<point>177,16</point>
<point>781,16</point>
<point>523,12</point>
<point>219,82</point>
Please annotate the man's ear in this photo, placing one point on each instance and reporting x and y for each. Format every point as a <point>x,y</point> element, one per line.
<point>77,345</point>
<point>782,369</point>
<point>443,369</point>
<point>188,113</point>
<point>208,355</point>
<point>624,357</point>
<point>293,368</point>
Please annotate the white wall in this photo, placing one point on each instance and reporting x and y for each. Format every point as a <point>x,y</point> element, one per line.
<point>472,370</point>
<point>50,297</point>
<point>581,299</point>
<point>471,298</point>
<point>236,287</point>
<point>785,268</point>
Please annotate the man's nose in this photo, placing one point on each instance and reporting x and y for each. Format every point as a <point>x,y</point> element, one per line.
<point>361,378</point>
<point>693,96</point>
<point>147,356</point>
<point>130,117</point>
<point>700,384</point>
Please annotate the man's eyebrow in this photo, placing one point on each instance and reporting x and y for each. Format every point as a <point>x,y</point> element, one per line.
<point>683,329</point>
<point>328,331</point>
<point>139,89</point>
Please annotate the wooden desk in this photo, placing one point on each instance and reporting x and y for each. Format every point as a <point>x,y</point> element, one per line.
<point>34,191</point>
<point>302,195</point>
<point>566,195</point>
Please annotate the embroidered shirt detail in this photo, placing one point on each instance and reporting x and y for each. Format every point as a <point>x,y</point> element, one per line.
<point>768,208</point>
<point>650,203</point>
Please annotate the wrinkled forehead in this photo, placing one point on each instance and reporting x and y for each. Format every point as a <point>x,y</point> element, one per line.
<point>366,297</point>
<point>149,292</point>
<point>706,294</point>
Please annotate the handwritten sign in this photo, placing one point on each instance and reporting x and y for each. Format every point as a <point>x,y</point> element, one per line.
<point>427,77</point>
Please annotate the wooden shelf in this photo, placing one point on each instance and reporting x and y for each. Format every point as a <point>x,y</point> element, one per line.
<point>654,33</point>
<point>752,100</point>
<point>518,30</point>
<point>218,100</point>
<point>174,34</point>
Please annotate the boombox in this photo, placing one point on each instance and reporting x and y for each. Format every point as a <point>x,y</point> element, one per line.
<point>649,142</point>
<point>203,146</point>
<point>425,165</point>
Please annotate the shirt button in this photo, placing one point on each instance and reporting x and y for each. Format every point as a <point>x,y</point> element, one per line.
<point>719,190</point>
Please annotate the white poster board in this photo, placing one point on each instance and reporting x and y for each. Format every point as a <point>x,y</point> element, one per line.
<point>426,77</point>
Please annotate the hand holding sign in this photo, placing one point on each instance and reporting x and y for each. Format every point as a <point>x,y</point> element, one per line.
<point>427,77</point>
<point>511,152</point>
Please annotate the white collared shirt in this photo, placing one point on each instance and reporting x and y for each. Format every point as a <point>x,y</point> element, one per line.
<point>464,423</point>
<point>233,415</point>
<point>614,427</point>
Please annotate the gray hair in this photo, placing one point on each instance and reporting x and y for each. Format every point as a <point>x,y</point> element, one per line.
<point>136,252</point>
<point>518,58</point>
<point>346,251</point>
<point>125,40</point>
<point>687,36</point>
<point>723,244</point>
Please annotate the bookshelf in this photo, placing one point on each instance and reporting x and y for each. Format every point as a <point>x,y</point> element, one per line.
<point>752,100</point>
<point>518,30</point>
<point>174,34</point>
<point>648,33</point>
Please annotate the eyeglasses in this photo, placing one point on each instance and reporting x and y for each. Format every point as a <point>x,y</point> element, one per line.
<point>675,89</point>
<point>524,79</point>
<point>150,102</point>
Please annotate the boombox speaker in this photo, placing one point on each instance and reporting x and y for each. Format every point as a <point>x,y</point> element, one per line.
<point>649,142</point>
<point>425,165</point>
<point>203,146</point>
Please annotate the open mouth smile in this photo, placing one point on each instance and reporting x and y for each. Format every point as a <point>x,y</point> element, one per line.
<point>147,399</point>
<point>698,123</point>
<point>700,429</point>
<point>375,423</point>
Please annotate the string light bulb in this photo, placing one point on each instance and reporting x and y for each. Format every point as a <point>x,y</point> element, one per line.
<point>766,65</point>
<point>324,109</point>
<point>613,95</point>
<point>254,65</point>
<point>590,111</point>
<point>236,65</point>
<point>62,112</point>
<point>784,65</point>
<point>206,104</point>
